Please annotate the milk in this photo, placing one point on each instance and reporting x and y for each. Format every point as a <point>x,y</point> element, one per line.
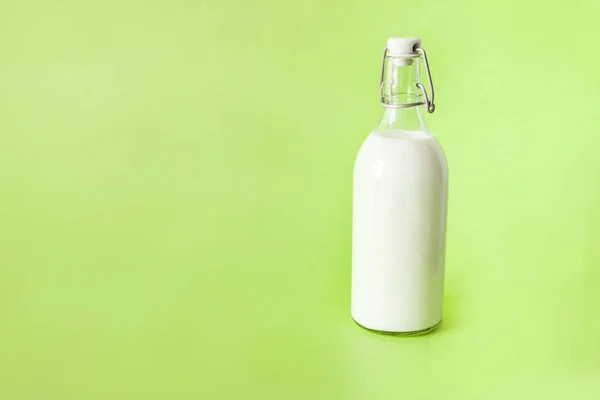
<point>399,213</point>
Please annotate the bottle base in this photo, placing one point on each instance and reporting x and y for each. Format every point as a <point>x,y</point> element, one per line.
<point>393,333</point>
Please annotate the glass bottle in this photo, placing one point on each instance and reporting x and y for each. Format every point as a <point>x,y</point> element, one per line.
<point>399,204</point>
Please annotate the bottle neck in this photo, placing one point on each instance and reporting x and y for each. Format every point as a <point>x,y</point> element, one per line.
<point>399,87</point>
<point>404,119</point>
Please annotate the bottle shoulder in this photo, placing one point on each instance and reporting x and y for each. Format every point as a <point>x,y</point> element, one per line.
<point>401,150</point>
<point>400,142</point>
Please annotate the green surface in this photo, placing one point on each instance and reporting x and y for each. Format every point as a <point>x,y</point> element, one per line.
<point>175,199</point>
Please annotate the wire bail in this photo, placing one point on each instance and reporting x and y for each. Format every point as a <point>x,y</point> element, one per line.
<point>429,101</point>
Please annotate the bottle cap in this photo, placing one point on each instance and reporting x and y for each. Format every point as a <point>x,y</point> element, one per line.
<point>403,46</point>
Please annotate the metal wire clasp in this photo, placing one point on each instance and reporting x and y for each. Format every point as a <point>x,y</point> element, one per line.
<point>429,101</point>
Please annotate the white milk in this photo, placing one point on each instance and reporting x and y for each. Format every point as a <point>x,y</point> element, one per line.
<point>399,213</point>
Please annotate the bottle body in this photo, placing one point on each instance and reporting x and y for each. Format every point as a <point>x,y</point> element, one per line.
<point>398,240</point>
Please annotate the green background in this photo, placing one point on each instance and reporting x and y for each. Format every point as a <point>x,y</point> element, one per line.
<point>175,199</point>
